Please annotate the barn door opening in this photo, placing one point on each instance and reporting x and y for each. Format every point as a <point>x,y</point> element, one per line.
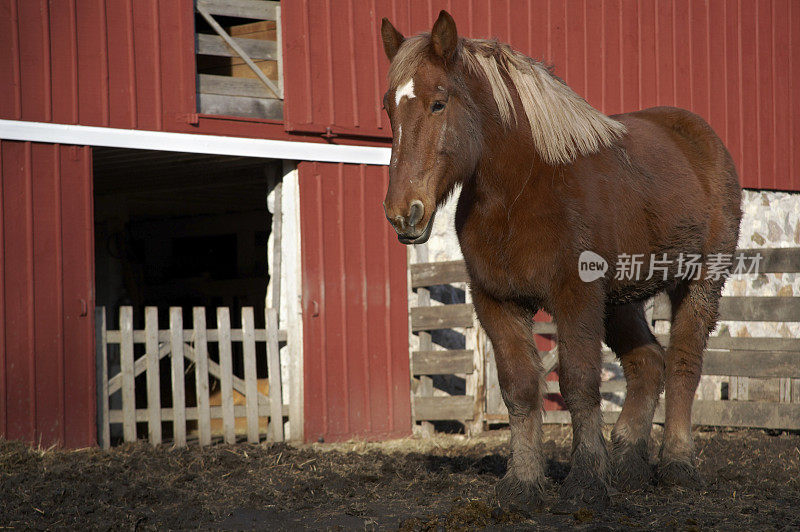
<point>174,233</point>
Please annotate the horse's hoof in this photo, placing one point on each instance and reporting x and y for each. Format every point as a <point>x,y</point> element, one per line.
<point>582,489</point>
<point>679,473</point>
<point>514,495</point>
<point>631,467</point>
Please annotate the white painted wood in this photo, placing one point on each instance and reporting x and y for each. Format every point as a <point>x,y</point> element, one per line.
<point>153,374</point>
<point>184,142</point>
<point>201,375</point>
<point>291,312</point>
<point>126,370</point>
<point>226,374</point>
<point>274,372</point>
<point>105,427</point>
<point>178,389</point>
<point>250,377</point>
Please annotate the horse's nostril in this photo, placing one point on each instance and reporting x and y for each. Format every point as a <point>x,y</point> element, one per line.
<point>417,212</point>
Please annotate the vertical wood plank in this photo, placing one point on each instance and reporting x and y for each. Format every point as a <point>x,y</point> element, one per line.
<point>250,383</point>
<point>425,384</point>
<point>201,375</point>
<point>277,225</point>
<point>292,319</point>
<point>274,370</point>
<point>226,368</point>
<point>476,383</point>
<point>178,391</point>
<point>785,390</point>
<point>104,427</point>
<point>126,367</point>
<point>153,375</point>
<point>739,388</point>
<point>279,39</point>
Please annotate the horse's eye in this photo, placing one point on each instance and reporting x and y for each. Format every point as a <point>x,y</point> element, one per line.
<point>437,106</point>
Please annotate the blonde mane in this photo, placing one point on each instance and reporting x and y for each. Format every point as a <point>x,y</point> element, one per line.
<point>563,125</point>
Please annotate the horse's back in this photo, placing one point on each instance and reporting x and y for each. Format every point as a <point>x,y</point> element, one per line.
<point>692,166</point>
<point>678,137</point>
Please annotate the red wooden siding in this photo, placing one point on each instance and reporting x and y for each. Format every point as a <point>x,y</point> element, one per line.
<point>355,310</point>
<point>47,367</point>
<point>116,63</point>
<point>736,63</point>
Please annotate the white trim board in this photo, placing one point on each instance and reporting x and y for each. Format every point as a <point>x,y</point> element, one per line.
<point>184,142</point>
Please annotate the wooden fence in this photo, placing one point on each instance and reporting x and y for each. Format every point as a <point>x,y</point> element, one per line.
<point>239,67</point>
<point>738,360</point>
<point>237,399</point>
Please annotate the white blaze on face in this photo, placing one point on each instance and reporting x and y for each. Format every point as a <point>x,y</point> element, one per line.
<point>404,90</point>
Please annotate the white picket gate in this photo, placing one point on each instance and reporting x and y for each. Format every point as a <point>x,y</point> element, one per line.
<point>192,344</point>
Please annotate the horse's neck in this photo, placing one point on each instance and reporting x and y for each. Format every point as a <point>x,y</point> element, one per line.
<point>504,179</point>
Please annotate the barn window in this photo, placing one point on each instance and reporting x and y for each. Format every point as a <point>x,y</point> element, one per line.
<point>238,54</point>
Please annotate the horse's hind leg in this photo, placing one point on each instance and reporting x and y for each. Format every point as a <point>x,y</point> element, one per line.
<point>519,370</point>
<point>629,336</point>
<point>694,315</point>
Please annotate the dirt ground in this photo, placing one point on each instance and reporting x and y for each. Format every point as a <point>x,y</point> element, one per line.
<point>444,483</point>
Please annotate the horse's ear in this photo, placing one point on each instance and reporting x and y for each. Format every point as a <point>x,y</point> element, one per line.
<point>444,35</point>
<point>392,39</point>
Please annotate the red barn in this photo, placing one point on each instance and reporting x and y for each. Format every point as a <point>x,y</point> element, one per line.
<point>121,119</point>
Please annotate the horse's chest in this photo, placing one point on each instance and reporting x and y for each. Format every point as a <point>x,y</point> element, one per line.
<point>507,269</point>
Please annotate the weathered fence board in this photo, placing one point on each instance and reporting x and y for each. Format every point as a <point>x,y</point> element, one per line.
<point>274,367</point>
<point>126,372</point>
<point>104,429</point>
<point>434,273</point>
<point>250,384</point>
<point>153,374</point>
<point>438,408</point>
<point>442,362</point>
<point>230,86</point>
<point>201,375</point>
<point>441,317</point>
<point>213,45</point>
<point>246,106</point>
<point>178,390</point>
<point>226,379</point>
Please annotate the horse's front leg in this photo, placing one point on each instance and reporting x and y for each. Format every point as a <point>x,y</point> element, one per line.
<point>519,370</point>
<point>579,318</point>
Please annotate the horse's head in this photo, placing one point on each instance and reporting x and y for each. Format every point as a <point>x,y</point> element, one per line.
<point>433,121</point>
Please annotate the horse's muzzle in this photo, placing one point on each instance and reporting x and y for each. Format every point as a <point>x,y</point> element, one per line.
<point>419,238</point>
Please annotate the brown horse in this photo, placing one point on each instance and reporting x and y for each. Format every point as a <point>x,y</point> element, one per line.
<point>546,178</point>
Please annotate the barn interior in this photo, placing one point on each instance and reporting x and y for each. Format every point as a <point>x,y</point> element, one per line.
<point>181,230</point>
